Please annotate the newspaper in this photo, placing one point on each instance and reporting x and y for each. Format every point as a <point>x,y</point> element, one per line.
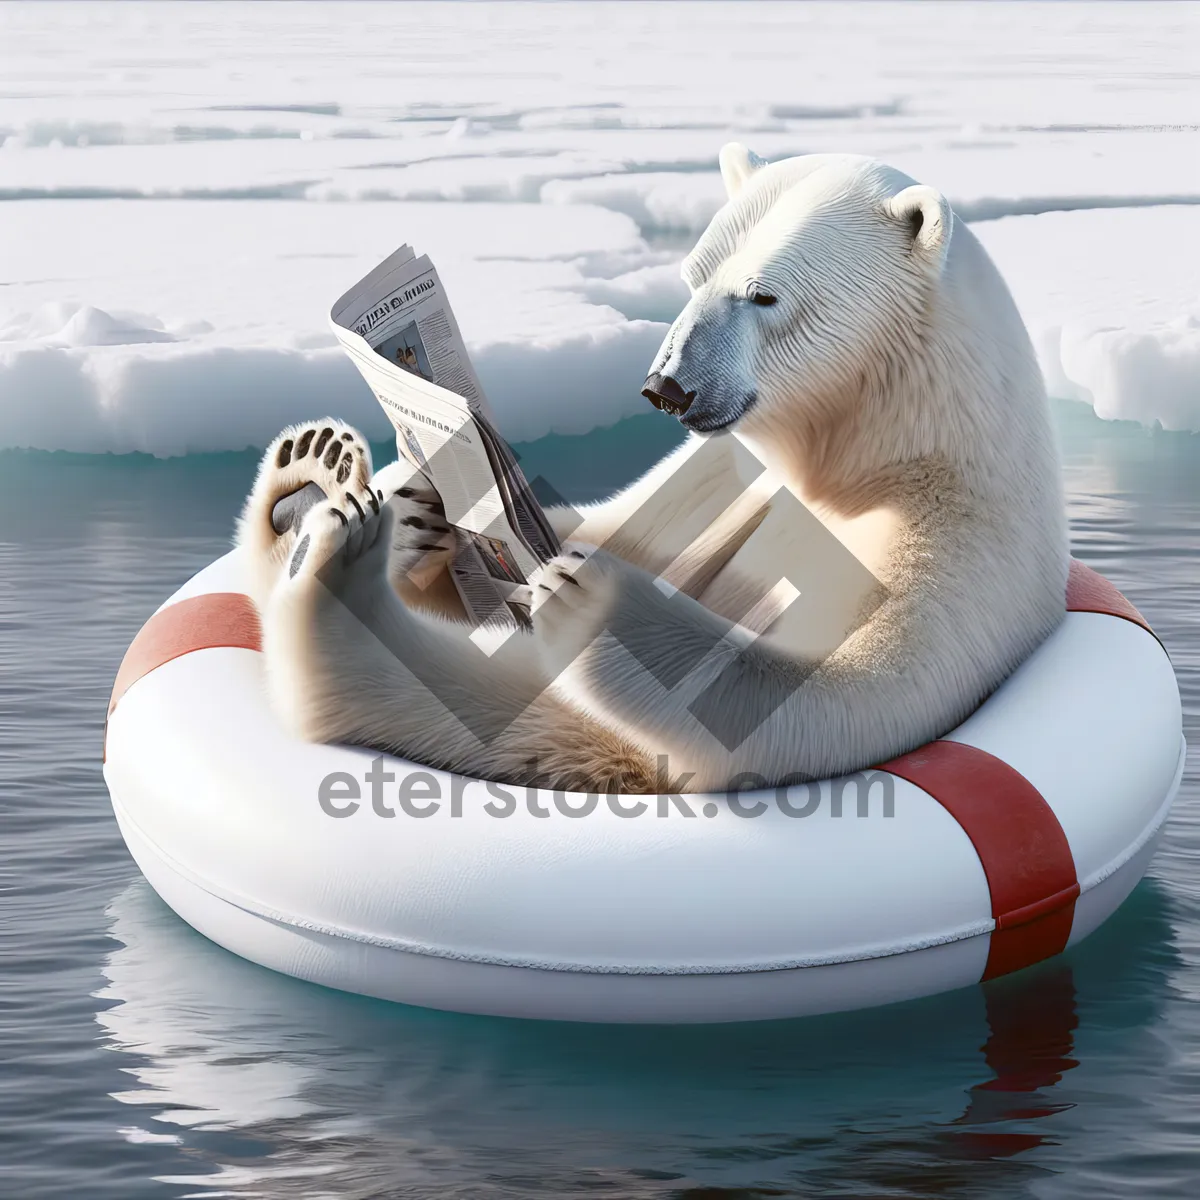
<point>397,326</point>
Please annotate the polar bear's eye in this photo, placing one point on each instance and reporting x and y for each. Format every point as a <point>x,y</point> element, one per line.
<point>763,298</point>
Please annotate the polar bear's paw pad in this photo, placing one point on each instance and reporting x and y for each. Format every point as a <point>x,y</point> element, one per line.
<point>333,448</point>
<point>303,465</point>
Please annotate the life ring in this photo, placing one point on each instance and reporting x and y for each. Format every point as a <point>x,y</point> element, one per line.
<point>988,850</point>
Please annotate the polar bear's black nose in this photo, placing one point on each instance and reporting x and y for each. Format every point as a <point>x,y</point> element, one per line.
<point>664,392</point>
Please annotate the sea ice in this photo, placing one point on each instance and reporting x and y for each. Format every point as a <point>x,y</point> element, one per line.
<point>1112,299</point>
<point>183,193</point>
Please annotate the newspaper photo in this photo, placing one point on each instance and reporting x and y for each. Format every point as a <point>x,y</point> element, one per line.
<point>397,326</point>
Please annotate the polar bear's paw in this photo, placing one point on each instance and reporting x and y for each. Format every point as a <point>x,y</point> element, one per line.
<point>342,545</point>
<point>303,466</point>
<point>572,599</point>
<point>559,576</point>
<point>422,541</point>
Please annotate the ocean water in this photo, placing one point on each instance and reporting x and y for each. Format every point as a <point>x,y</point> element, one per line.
<point>141,1061</point>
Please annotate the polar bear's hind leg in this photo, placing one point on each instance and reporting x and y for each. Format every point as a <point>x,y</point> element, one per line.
<point>329,620</point>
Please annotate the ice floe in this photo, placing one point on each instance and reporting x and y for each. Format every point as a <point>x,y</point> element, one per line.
<point>181,194</point>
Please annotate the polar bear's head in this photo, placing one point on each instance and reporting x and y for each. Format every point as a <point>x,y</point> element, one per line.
<point>815,275</point>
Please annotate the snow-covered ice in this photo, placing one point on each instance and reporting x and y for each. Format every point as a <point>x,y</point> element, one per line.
<point>185,188</point>
<point>214,333</point>
<point>1112,299</point>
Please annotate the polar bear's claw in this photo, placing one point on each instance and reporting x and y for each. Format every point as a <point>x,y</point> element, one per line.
<point>336,542</point>
<point>423,543</point>
<point>572,598</point>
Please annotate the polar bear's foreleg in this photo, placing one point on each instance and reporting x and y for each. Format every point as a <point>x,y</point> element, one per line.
<point>422,543</point>
<point>685,517</point>
<point>715,704</point>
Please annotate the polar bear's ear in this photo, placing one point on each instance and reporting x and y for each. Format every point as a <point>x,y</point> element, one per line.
<point>925,214</point>
<point>737,165</point>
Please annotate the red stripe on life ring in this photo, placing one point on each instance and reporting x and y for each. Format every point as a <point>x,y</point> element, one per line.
<point>198,623</point>
<point>1024,852</point>
<point>1089,591</point>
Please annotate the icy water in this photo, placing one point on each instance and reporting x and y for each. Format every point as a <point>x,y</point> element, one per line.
<point>142,1061</point>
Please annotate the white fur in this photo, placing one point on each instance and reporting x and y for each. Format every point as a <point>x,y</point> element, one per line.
<point>888,398</point>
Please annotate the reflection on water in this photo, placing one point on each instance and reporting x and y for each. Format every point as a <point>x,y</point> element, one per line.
<point>280,1087</point>
<point>157,1065</point>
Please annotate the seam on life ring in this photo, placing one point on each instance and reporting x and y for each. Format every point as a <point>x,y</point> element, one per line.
<point>1038,909</point>
<point>384,941</point>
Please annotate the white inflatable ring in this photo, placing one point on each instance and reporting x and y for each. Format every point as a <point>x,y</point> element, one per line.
<point>1010,839</point>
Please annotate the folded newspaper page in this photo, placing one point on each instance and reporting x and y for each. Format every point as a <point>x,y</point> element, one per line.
<point>397,326</point>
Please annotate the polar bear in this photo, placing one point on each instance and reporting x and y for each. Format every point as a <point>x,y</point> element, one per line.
<point>850,367</point>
